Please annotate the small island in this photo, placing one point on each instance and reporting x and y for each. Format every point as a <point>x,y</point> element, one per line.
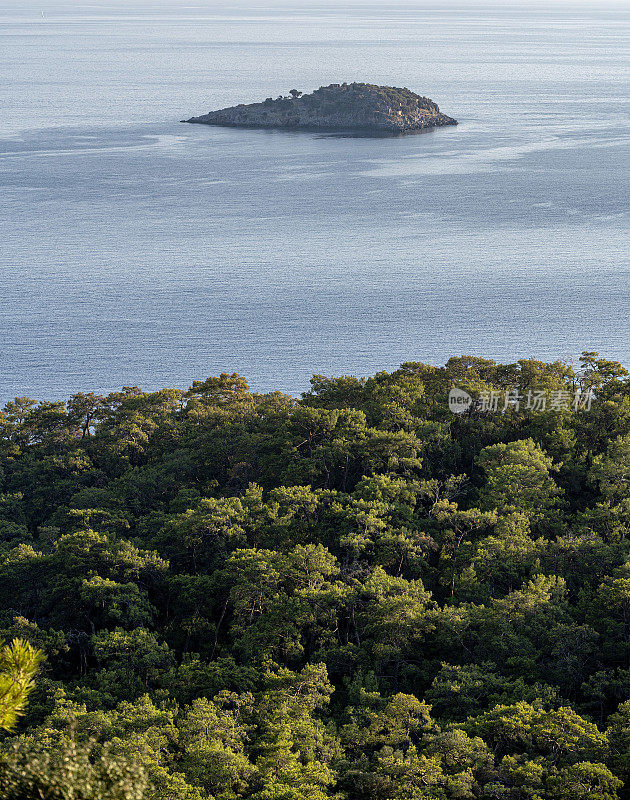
<point>361,108</point>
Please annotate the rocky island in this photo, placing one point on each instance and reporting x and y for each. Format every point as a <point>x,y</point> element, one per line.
<point>354,107</point>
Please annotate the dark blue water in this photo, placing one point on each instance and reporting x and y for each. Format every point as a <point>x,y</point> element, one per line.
<point>137,250</point>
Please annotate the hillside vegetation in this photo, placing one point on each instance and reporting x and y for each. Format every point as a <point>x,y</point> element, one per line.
<point>356,595</point>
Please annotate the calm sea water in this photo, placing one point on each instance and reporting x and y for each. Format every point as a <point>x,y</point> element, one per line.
<point>137,250</point>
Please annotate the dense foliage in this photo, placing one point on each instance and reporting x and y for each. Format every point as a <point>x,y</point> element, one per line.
<point>341,97</point>
<point>356,595</point>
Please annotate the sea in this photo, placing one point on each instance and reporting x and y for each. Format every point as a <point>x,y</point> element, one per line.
<point>137,250</point>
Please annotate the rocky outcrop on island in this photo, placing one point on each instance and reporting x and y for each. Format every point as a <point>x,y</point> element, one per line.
<point>353,107</point>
